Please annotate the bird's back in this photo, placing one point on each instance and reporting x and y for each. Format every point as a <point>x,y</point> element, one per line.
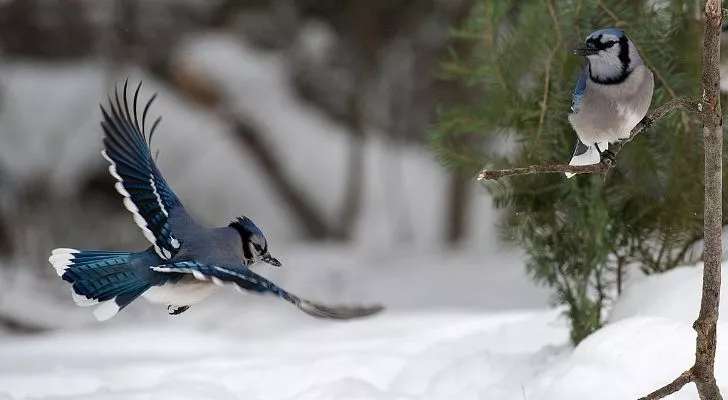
<point>205,245</point>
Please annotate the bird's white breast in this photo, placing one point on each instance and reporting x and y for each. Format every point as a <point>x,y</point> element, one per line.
<point>182,293</point>
<point>630,118</point>
<point>609,112</point>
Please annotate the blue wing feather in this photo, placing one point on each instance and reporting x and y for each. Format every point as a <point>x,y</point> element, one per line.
<point>246,279</point>
<point>239,275</point>
<point>146,192</point>
<point>579,90</point>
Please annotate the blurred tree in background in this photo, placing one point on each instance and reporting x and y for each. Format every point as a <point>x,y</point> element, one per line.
<point>582,235</point>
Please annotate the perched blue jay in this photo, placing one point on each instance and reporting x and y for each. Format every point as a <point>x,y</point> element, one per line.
<point>612,95</point>
<point>186,262</point>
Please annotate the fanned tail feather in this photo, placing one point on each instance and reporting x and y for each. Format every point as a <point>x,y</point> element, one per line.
<point>106,278</point>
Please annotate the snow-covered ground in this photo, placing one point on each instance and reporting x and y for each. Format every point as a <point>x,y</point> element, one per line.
<point>237,346</point>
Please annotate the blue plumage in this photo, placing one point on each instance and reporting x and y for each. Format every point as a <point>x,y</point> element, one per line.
<point>579,90</point>
<point>248,225</point>
<point>186,261</point>
<point>147,195</point>
<point>246,280</point>
<point>108,276</point>
<point>607,31</point>
<point>242,277</point>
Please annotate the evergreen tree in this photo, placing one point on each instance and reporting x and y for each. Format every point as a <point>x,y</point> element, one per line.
<point>582,234</point>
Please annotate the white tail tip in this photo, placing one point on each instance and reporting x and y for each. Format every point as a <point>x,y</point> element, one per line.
<point>61,259</point>
<point>106,310</point>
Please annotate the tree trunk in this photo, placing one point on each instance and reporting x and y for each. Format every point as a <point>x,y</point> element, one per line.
<point>706,324</point>
<point>703,371</point>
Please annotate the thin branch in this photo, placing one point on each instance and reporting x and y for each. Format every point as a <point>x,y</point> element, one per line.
<point>661,111</point>
<point>606,164</point>
<point>614,16</point>
<point>672,387</point>
<point>555,19</point>
<point>491,42</point>
<point>486,175</point>
<point>545,99</point>
<point>547,73</point>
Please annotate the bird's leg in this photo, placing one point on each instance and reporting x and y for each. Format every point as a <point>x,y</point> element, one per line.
<point>176,310</point>
<point>606,154</point>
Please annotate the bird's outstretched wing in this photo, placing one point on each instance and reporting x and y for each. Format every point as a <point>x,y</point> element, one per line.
<point>245,279</point>
<point>579,90</point>
<point>146,194</point>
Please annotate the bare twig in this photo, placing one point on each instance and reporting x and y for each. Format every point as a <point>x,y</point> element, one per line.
<point>672,387</point>
<point>703,371</point>
<point>643,125</point>
<point>544,169</point>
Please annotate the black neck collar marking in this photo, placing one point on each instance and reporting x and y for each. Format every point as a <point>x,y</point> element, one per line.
<point>623,57</point>
<point>245,238</point>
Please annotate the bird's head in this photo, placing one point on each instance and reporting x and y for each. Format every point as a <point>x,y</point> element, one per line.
<point>255,246</point>
<point>611,54</point>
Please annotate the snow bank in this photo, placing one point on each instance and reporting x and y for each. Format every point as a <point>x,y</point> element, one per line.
<point>674,294</point>
<point>626,360</point>
<point>648,342</point>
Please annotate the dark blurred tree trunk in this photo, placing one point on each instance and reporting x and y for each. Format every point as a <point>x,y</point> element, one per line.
<point>451,93</point>
<point>354,185</point>
<point>46,29</point>
<point>458,208</point>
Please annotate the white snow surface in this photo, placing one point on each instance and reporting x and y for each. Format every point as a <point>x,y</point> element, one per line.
<point>264,349</point>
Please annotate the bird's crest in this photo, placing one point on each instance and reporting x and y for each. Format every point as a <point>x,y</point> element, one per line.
<point>606,31</point>
<point>245,225</point>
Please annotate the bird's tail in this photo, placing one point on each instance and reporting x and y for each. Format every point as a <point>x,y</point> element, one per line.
<point>585,155</point>
<point>107,278</point>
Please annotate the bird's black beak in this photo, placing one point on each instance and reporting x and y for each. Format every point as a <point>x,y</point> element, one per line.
<point>586,50</point>
<point>271,260</point>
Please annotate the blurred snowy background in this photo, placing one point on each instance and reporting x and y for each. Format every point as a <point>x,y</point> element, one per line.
<point>310,117</point>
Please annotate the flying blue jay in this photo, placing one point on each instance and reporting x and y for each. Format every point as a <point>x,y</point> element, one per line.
<point>186,261</point>
<point>612,95</point>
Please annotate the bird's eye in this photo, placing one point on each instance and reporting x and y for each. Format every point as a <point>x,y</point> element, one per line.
<point>610,43</point>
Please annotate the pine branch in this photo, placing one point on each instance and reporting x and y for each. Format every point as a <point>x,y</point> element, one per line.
<point>703,371</point>
<point>606,164</point>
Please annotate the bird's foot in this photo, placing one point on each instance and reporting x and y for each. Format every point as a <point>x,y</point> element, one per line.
<point>176,310</point>
<point>647,122</point>
<point>608,157</point>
